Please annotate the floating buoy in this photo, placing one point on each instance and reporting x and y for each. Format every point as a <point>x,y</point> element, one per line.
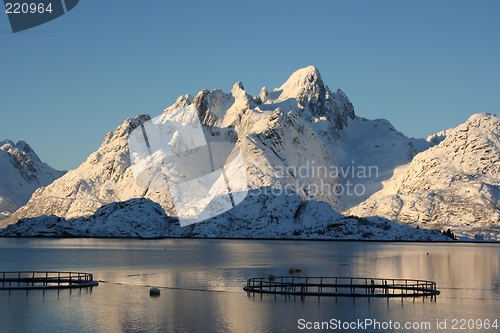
<point>154,291</point>
<point>291,270</point>
<point>271,277</point>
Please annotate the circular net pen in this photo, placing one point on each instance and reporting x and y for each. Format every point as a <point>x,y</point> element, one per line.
<point>341,286</point>
<point>45,280</point>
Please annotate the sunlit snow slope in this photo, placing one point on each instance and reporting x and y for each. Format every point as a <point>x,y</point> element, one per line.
<point>454,185</point>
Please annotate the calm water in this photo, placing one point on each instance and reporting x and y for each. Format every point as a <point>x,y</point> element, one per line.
<point>202,282</point>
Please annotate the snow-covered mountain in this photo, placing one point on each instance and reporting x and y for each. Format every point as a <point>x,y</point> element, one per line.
<point>454,185</point>
<point>21,173</point>
<point>307,157</point>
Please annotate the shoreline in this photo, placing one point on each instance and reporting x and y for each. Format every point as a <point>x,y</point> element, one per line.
<point>473,241</point>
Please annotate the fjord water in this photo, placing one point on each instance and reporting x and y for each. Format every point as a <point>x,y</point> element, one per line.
<point>201,284</point>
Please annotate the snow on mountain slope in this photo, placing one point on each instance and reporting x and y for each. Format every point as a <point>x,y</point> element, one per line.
<point>300,142</point>
<point>369,151</point>
<point>454,185</point>
<point>22,172</point>
<point>146,219</point>
<point>438,137</point>
<point>134,218</point>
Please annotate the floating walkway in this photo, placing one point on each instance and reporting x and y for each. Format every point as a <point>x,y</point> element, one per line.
<point>341,286</point>
<point>45,280</point>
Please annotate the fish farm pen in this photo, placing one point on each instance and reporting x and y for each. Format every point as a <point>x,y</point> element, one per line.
<point>45,280</point>
<point>341,286</point>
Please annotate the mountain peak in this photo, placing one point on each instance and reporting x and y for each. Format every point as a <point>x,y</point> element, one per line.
<point>302,80</point>
<point>24,146</point>
<point>22,173</point>
<point>237,86</point>
<point>313,97</point>
<point>310,73</point>
<point>482,116</point>
<point>18,149</point>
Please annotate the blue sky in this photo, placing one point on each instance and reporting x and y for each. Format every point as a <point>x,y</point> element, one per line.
<point>423,65</point>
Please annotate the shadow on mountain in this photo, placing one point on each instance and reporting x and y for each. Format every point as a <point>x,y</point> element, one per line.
<point>265,213</point>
